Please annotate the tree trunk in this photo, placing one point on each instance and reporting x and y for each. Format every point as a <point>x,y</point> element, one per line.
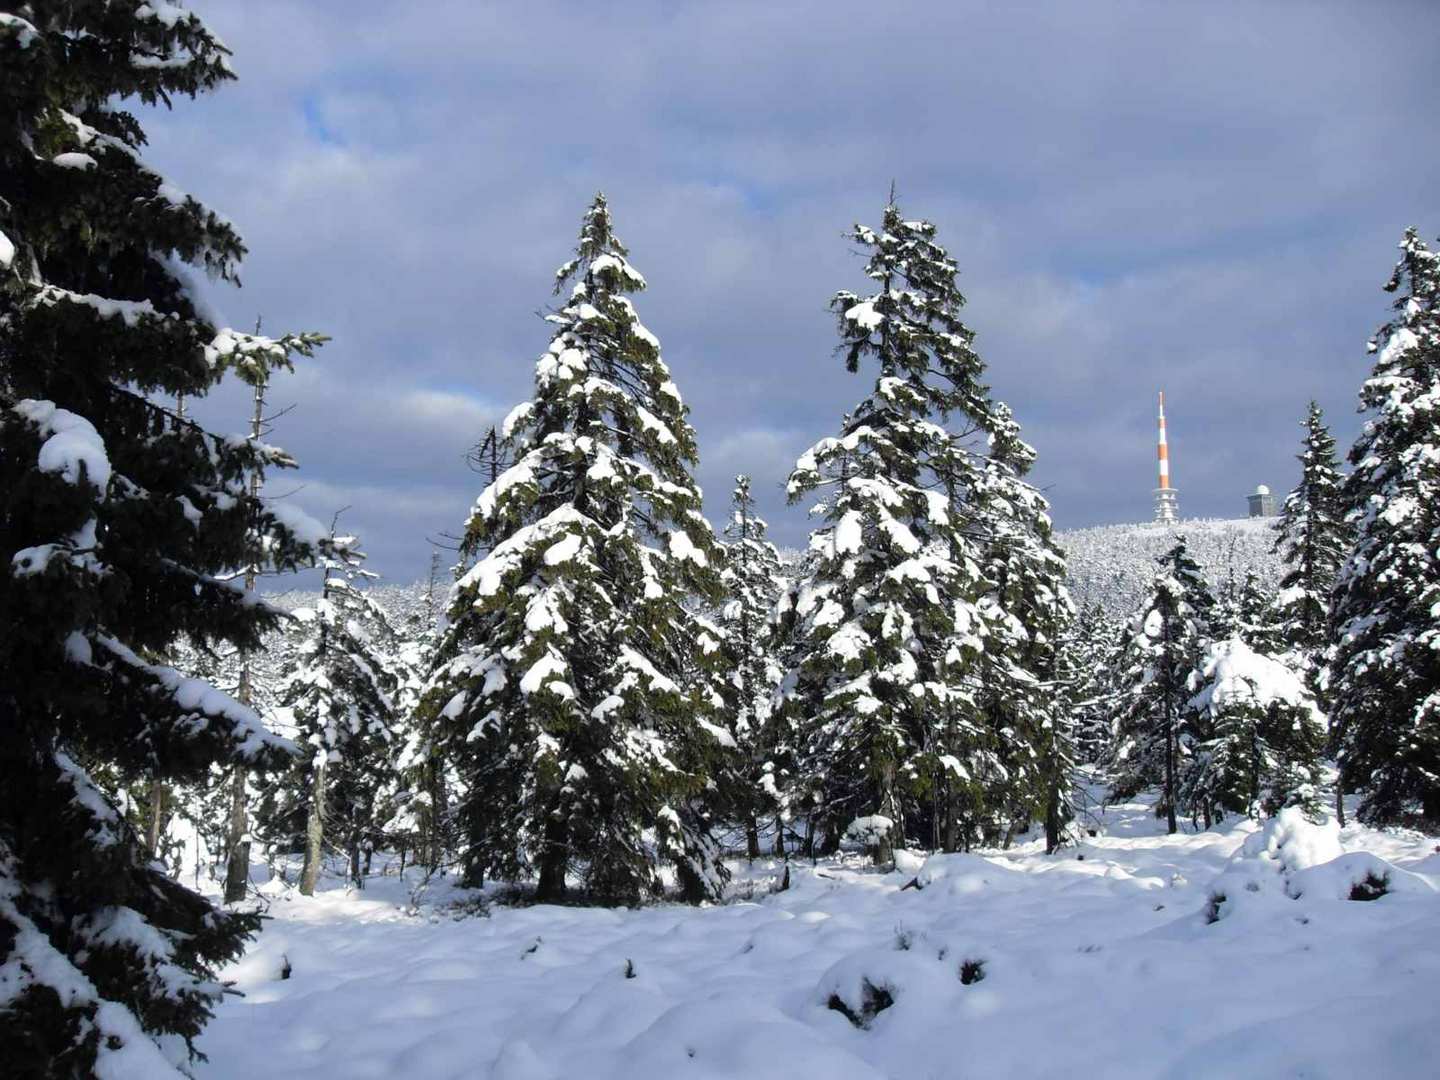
<point>356,878</point>
<point>1339,795</point>
<point>1052,818</point>
<point>237,845</point>
<point>889,807</point>
<point>314,833</point>
<point>157,816</point>
<point>1172,827</point>
<point>779,848</point>
<point>752,839</point>
<point>553,860</point>
<point>438,808</point>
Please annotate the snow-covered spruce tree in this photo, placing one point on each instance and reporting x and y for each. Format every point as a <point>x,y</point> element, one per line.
<point>1090,655</point>
<point>1312,538</point>
<point>117,519</point>
<point>1028,610</point>
<point>417,820</point>
<point>885,626</point>
<point>560,681</point>
<point>1168,638</point>
<point>752,582</point>
<point>341,700</point>
<point>1247,611</point>
<point>1385,684</point>
<point>1265,736</point>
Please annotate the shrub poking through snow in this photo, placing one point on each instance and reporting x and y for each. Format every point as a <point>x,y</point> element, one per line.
<point>1371,887</point>
<point>873,1001</point>
<point>971,971</point>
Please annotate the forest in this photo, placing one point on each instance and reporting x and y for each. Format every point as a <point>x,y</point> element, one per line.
<point>602,711</point>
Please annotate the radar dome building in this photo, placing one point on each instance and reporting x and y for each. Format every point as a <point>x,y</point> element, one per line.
<point>1262,503</point>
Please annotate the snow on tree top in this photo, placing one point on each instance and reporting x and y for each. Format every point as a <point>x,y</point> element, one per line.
<point>1235,674</point>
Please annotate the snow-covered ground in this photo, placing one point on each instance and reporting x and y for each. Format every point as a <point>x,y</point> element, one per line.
<point>1097,962</point>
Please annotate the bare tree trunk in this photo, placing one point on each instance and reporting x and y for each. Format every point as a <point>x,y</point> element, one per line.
<point>752,839</point>
<point>314,833</point>
<point>237,845</point>
<point>157,816</point>
<point>889,808</point>
<point>1171,824</point>
<point>779,847</point>
<point>237,865</point>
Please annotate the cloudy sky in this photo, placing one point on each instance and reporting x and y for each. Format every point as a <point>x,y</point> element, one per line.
<point>1203,198</point>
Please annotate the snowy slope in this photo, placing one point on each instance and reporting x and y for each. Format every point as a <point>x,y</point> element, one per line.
<point>1113,564</point>
<point>1101,966</point>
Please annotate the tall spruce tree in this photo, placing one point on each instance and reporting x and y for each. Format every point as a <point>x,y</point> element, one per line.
<point>1386,669</point>
<point>342,700</point>
<point>117,522</point>
<point>1168,637</point>
<point>886,625</point>
<point>752,582</point>
<point>1031,609</point>
<point>561,686</point>
<point>1312,539</point>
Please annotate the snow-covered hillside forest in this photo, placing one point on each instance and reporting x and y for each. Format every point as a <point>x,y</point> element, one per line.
<point>617,792</point>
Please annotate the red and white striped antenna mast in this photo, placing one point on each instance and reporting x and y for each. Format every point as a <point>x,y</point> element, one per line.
<point>1167,509</point>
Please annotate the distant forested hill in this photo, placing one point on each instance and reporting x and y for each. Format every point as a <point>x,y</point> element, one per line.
<point>1113,564</point>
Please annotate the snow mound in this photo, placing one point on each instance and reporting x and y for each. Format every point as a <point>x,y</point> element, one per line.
<point>966,875</point>
<point>1294,859</point>
<point>1357,876</point>
<point>866,984</point>
<point>1291,841</point>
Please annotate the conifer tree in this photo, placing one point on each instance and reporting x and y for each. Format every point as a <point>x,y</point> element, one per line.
<point>418,817</point>
<point>1264,735</point>
<point>118,522</point>
<point>1091,652</point>
<point>883,624</point>
<point>1031,610</point>
<point>562,681</point>
<point>1386,680</point>
<point>1312,539</point>
<point>1168,636</point>
<point>752,581</point>
<point>341,698</point>
<point>1245,610</point>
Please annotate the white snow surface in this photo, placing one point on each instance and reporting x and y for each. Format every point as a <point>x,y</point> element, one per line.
<point>1096,962</point>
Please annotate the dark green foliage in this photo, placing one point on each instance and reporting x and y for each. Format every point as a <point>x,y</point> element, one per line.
<point>757,773</point>
<point>565,694</point>
<point>885,631</point>
<point>1166,641</point>
<point>1385,681</point>
<point>1312,537</point>
<point>117,518</point>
